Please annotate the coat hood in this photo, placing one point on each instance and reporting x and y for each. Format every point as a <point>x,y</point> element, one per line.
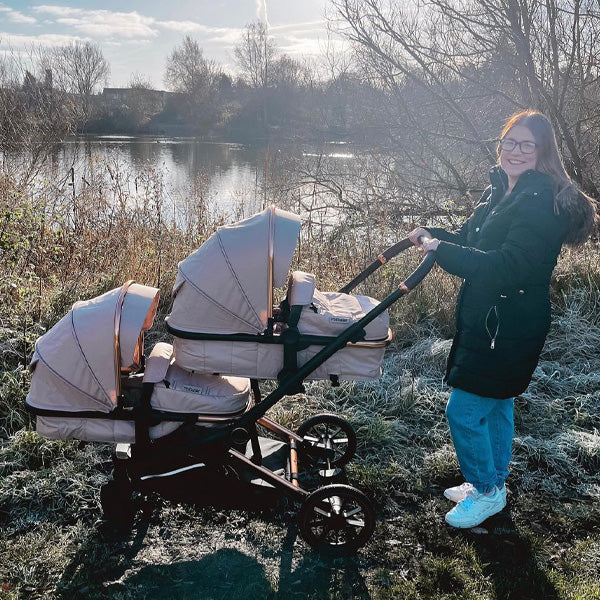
<point>578,211</point>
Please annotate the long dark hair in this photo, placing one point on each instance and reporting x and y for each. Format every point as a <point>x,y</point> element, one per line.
<point>570,201</point>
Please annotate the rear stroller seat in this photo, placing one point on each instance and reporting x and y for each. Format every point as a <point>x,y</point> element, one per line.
<point>310,312</point>
<point>179,391</point>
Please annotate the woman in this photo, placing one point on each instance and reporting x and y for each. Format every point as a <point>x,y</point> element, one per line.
<point>505,252</point>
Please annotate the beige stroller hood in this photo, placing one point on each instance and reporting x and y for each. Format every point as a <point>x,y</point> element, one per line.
<point>226,286</point>
<point>77,364</point>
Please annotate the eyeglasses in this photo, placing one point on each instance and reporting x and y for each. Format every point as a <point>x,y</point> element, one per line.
<point>508,145</point>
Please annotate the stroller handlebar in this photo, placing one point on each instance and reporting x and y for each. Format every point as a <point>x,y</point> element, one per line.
<point>413,280</point>
<point>419,273</point>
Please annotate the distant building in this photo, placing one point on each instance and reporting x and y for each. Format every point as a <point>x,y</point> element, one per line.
<point>117,97</point>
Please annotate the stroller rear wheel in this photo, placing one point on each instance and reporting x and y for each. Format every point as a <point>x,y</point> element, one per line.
<point>329,441</point>
<point>117,504</point>
<point>336,518</point>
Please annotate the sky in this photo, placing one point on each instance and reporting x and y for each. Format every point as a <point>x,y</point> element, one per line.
<point>137,36</point>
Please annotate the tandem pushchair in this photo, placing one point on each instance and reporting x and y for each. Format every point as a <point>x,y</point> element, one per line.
<point>194,409</point>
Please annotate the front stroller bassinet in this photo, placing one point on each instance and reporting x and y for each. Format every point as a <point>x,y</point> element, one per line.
<point>89,382</point>
<point>223,319</point>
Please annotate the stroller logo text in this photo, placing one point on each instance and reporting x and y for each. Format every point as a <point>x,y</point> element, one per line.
<point>339,320</point>
<point>193,389</point>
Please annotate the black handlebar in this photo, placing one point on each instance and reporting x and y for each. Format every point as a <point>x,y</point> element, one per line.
<point>413,279</point>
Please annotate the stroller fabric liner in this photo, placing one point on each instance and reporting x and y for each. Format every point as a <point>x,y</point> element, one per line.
<point>74,372</point>
<point>204,296</point>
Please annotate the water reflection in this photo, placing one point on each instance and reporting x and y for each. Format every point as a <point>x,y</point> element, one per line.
<point>227,179</point>
<point>228,173</point>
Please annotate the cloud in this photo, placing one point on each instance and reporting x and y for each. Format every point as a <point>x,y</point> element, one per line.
<point>16,16</point>
<point>12,41</point>
<point>293,45</point>
<point>193,27</point>
<point>121,26</point>
<point>315,27</point>
<point>229,37</point>
<point>101,23</point>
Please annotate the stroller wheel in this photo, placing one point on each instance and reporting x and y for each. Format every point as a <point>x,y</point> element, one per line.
<point>336,518</point>
<point>329,441</point>
<point>117,504</point>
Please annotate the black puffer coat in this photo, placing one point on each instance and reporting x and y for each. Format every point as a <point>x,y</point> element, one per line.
<point>505,252</point>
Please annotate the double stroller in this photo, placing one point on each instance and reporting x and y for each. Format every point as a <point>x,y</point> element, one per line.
<point>194,410</point>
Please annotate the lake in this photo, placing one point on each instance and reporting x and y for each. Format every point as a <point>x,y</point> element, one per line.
<point>229,177</point>
<point>224,172</point>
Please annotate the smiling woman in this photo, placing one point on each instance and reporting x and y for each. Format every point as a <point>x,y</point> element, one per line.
<point>505,252</point>
<point>518,153</point>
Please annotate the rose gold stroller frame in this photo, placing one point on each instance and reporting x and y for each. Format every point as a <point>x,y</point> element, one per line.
<point>333,517</point>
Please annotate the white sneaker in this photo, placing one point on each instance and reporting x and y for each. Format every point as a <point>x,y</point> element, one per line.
<point>476,508</point>
<point>459,492</point>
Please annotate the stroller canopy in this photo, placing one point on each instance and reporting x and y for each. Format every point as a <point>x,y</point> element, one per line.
<point>90,345</point>
<point>226,286</point>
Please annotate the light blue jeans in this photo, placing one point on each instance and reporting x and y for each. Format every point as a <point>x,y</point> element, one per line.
<point>482,431</point>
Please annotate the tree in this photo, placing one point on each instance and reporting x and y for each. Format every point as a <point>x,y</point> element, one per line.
<point>142,101</point>
<point>139,82</point>
<point>79,69</point>
<point>34,115</point>
<point>255,54</point>
<point>198,80</point>
<point>454,69</point>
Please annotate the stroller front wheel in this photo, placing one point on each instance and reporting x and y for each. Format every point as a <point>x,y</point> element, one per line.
<point>328,441</point>
<point>336,518</point>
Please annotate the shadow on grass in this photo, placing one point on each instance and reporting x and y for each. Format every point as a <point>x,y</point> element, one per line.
<point>226,574</point>
<point>105,567</point>
<point>99,571</point>
<point>511,563</point>
<point>317,576</point>
<point>104,556</point>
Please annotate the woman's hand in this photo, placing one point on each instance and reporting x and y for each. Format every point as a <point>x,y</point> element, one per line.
<point>429,245</point>
<point>415,234</point>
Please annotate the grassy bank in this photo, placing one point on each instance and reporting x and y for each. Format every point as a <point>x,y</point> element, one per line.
<point>57,248</point>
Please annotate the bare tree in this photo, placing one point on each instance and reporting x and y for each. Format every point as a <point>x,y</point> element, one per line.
<point>34,115</point>
<point>138,81</point>
<point>454,69</point>
<point>255,54</point>
<point>197,79</point>
<point>79,69</point>
<point>142,101</point>
<point>188,71</point>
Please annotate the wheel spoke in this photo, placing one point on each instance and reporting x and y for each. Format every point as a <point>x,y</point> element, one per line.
<point>351,513</point>
<point>339,440</point>
<point>322,512</point>
<point>311,439</point>
<point>359,523</point>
